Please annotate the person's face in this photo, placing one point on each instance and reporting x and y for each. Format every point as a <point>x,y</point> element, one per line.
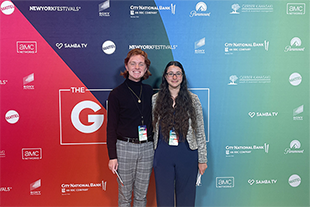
<point>174,76</point>
<point>136,67</point>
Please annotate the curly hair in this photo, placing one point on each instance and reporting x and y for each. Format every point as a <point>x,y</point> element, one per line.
<point>177,116</point>
<point>133,52</point>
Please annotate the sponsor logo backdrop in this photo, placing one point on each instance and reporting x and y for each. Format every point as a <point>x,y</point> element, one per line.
<point>247,61</point>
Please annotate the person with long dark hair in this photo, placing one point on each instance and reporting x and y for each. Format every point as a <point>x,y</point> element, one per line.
<point>179,139</point>
<point>129,130</point>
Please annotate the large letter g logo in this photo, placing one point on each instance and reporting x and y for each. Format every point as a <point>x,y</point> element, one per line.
<point>97,119</point>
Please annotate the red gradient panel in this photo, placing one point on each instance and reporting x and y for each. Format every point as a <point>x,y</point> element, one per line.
<point>62,175</point>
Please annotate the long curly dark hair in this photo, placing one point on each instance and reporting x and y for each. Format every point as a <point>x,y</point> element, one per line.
<point>177,116</point>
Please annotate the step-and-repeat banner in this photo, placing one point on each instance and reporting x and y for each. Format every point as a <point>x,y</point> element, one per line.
<point>248,61</point>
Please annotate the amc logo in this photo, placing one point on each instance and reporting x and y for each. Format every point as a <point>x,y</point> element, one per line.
<point>26,46</point>
<point>31,153</point>
<point>296,8</point>
<point>225,182</point>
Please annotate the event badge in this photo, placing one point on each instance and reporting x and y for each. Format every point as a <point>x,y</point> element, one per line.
<point>142,133</point>
<point>173,138</point>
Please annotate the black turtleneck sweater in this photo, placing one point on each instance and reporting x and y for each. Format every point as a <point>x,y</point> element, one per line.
<point>124,113</point>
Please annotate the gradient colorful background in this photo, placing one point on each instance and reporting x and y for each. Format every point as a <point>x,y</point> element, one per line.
<point>52,59</point>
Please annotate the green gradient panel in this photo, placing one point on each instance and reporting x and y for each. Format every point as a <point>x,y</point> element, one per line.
<point>255,177</point>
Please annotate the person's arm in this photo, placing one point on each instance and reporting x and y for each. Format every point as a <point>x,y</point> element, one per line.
<point>200,135</point>
<point>113,116</point>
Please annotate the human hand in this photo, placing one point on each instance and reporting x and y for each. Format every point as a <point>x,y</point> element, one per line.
<point>113,165</point>
<point>202,167</point>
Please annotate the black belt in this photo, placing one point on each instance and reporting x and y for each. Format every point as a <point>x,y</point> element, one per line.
<point>134,140</point>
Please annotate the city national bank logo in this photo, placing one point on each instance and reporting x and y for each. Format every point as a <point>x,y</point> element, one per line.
<point>12,116</point>
<point>82,117</point>
<point>34,188</point>
<point>31,153</point>
<point>263,114</point>
<point>262,182</point>
<point>7,7</point>
<point>294,180</point>
<point>225,182</point>
<point>68,188</point>
<point>296,113</point>
<point>295,79</point>
<point>231,151</point>
<point>294,148</point>
<point>27,82</point>
<point>137,10</point>
<point>108,47</point>
<point>26,47</point>
<point>251,8</point>
<point>198,46</point>
<point>295,8</point>
<point>295,46</point>
<point>102,7</point>
<point>231,47</point>
<point>201,10</point>
<point>75,45</point>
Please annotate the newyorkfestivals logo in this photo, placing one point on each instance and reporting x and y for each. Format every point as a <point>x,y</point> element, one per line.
<point>82,117</point>
<point>7,7</point>
<point>295,45</point>
<point>3,82</point>
<point>251,8</point>
<point>153,47</point>
<point>232,47</point>
<point>295,148</point>
<point>36,8</point>
<point>200,10</point>
<point>5,189</point>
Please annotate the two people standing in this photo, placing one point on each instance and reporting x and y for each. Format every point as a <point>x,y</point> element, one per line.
<point>179,139</point>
